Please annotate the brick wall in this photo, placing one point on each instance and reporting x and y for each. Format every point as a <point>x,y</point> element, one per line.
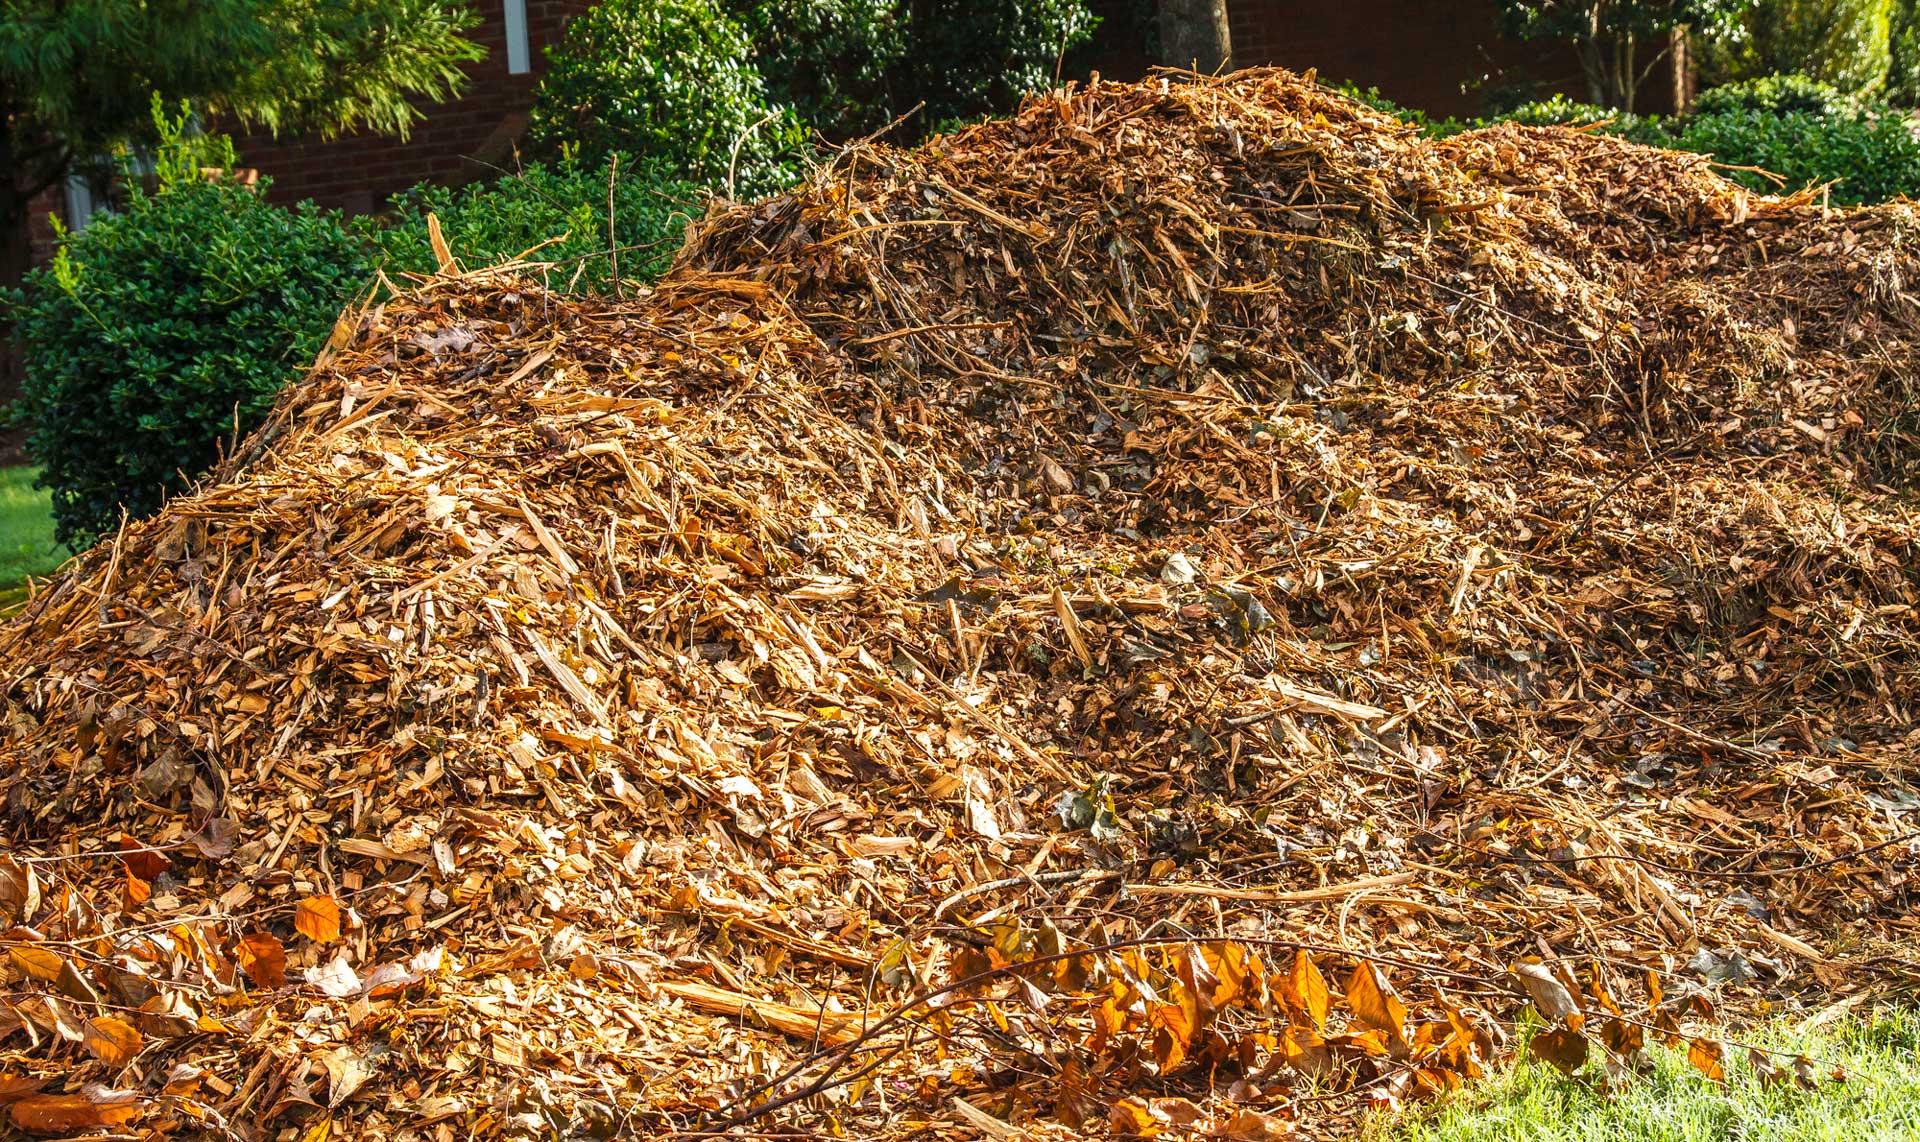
<point>51,201</point>
<point>458,141</point>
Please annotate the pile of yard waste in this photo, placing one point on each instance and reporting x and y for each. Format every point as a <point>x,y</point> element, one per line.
<point>1178,613</point>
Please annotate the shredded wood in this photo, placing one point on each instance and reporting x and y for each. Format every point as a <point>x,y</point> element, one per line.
<point>1201,523</point>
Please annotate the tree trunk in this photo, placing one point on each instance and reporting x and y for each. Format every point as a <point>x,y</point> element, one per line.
<point>1193,33</point>
<point>1680,59</point>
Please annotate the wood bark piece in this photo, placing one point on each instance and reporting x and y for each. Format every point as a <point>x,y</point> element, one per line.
<point>831,1028</point>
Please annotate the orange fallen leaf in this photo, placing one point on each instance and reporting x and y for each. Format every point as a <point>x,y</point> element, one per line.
<point>64,1113</point>
<point>263,958</point>
<point>113,1041</point>
<point>1304,990</point>
<point>142,862</point>
<point>1708,1057</point>
<point>36,962</point>
<point>318,919</point>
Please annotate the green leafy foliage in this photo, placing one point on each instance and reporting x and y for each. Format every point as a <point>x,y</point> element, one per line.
<point>1846,43</point>
<point>1903,53</point>
<point>833,61</point>
<point>1869,156</point>
<point>667,82</point>
<point>485,224</point>
<point>1776,95</point>
<point>345,65</point>
<point>159,332</point>
<point>849,67</point>
<point>1609,37</point>
<point>973,57</point>
<point>1411,116</point>
<point>1864,1068</point>
<point>76,75</point>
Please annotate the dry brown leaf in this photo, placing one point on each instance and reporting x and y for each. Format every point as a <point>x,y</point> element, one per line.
<point>66,1113</point>
<point>1248,1125</point>
<point>36,962</point>
<point>335,977</point>
<point>1765,1071</point>
<point>1708,1057</point>
<point>318,919</point>
<point>1550,997</point>
<point>113,1041</point>
<point>263,958</point>
<point>1375,1004</point>
<point>1131,1117</point>
<point>142,862</point>
<point>1305,992</point>
<point>1564,1047</point>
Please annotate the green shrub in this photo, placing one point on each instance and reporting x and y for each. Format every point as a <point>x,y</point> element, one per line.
<point>1776,95</point>
<point>848,67</point>
<point>832,61</point>
<point>973,57</point>
<point>1870,156</point>
<point>669,82</point>
<point>489,223</point>
<point>159,331</point>
<point>1842,42</point>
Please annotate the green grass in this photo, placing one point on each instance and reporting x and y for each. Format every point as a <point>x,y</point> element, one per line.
<point>1531,1102</point>
<point>26,533</point>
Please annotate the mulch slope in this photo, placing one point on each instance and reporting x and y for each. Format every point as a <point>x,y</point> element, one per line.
<point>1199,515</point>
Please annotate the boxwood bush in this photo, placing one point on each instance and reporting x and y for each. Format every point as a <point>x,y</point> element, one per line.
<point>1776,95</point>
<point>159,332</point>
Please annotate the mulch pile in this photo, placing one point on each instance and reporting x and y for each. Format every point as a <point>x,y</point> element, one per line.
<point>1142,555</point>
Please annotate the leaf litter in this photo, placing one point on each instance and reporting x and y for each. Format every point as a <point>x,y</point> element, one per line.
<point>989,643</point>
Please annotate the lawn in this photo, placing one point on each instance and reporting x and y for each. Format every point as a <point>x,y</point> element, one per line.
<point>26,533</point>
<point>1531,1102</point>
